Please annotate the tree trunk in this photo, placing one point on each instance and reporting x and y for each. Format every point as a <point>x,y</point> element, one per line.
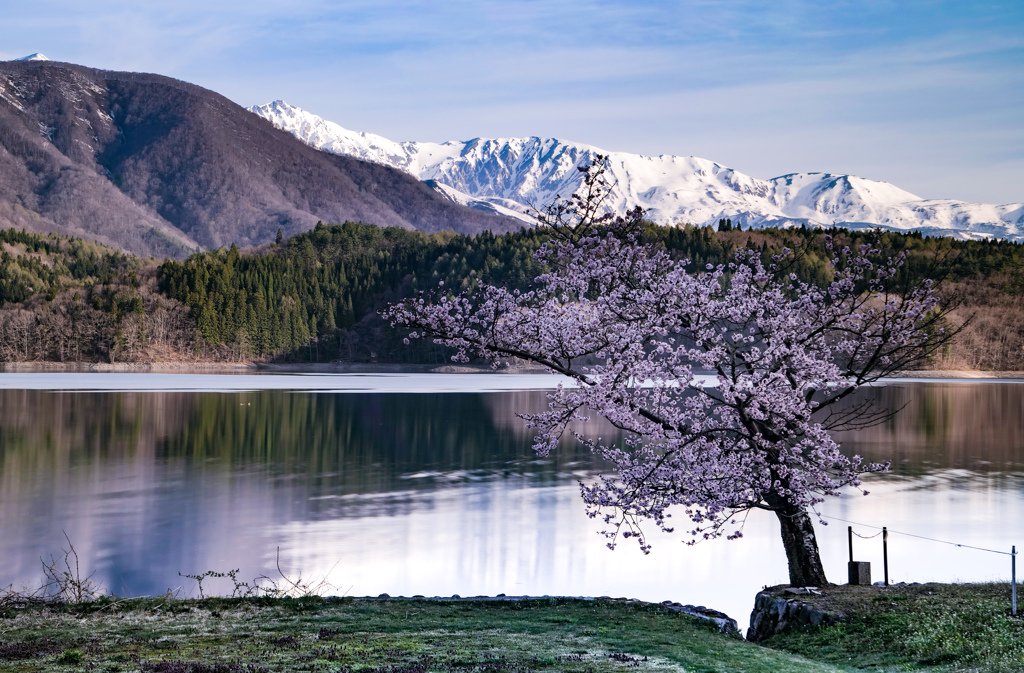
<point>805,569</point>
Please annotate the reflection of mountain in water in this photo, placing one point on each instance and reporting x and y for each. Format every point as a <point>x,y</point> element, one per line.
<point>335,443</point>
<point>944,426</point>
<point>44,435</point>
<point>184,477</point>
<point>149,484</point>
<point>363,443</point>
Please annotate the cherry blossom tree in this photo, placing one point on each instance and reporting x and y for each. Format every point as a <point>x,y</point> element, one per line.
<point>637,335</point>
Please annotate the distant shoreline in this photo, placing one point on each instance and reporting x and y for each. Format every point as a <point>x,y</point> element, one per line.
<point>956,374</point>
<point>372,367</point>
<point>255,367</point>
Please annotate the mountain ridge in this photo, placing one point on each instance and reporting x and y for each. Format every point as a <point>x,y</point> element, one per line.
<point>513,175</point>
<point>158,166</point>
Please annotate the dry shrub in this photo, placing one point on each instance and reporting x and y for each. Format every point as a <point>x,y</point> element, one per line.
<point>993,338</point>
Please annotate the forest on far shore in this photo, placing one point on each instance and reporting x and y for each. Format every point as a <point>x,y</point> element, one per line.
<point>314,297</point>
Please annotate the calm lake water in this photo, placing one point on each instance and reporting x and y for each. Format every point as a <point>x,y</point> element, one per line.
<point>437,492</point>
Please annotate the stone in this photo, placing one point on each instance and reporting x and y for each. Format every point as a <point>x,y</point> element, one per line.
<point>778,608</point>
<point>773,614</point>
<point>725,623</point>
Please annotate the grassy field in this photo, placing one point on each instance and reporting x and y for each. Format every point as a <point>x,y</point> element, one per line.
<point>959,627</point>
<point>387,636</point>
<point>928,627</point>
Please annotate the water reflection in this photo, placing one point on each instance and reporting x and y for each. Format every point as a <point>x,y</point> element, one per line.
<point>971,426</point>
<point>441,493</point>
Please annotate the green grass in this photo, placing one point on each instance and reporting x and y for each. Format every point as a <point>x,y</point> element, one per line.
<point>934,627</point>
<point>375,636</point>
<point>961,627</point>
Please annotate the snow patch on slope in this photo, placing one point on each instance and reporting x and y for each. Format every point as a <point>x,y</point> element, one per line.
<point>494,205</point>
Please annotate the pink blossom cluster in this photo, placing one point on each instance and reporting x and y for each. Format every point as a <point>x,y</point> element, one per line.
<point>633,328</point>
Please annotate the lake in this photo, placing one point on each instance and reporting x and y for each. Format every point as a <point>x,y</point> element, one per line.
<point>426,484</point>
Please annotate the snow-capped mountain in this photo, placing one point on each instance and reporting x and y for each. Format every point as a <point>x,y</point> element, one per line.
<point>512,175</point>
<point>33,57</point>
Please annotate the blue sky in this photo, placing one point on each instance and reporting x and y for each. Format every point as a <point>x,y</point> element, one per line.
<point>928,95</point>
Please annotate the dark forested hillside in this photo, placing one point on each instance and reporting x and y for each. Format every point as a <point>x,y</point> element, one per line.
<point>315,297</point>
<point>157,166</point>
<point>68,299</point>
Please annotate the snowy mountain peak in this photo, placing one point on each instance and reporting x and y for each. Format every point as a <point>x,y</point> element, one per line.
<point>33,57</point>
<point>514,175</point>
<point>330,137</point>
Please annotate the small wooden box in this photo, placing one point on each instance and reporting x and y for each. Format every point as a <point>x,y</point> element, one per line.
<point>860,572</point>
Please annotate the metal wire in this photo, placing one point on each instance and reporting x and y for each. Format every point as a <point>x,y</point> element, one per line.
<point>920,537</point>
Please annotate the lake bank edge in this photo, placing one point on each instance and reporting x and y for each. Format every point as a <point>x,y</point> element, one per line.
<point>905,626</point>
<point>292,622</point>
<point>403,634</point>
<point>381,368</point>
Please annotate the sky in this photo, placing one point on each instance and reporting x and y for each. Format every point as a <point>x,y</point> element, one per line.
<point>925,94</point>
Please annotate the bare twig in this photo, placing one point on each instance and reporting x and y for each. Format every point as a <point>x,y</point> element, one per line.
<point>63,581</point>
